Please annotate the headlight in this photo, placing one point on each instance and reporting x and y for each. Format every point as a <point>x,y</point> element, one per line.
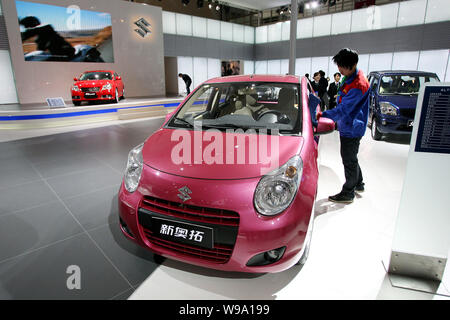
<point>75,88</point>
<point>134,168</point>
<point>107,86</point>
<point>276,190</point>
<point>388,108</point>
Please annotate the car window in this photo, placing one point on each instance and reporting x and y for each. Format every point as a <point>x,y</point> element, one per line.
<point>404,84</point>
<point>96,76</point>
<point>244,105</point>
<point>374,84</point>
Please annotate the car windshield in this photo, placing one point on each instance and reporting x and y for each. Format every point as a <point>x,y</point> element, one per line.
<point>96,76</point>
<point>404,84</point>
<point>243,105</point>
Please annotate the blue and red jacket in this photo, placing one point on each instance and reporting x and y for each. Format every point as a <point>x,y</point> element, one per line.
<point>352,110</point>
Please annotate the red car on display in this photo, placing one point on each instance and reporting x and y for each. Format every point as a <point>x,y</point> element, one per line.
<point>100,85</point>
<point>229,181</point>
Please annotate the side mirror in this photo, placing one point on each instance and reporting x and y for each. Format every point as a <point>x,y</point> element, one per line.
<point>324,126</point>
<point>75,79</point>
<point>118,78</point>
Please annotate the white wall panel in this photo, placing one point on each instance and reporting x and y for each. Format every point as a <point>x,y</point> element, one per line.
<point>226,31</point>
<point>447,73</point>
<point>261,34</point>
<point>185,65</point>
<point>169,22</point>
<point>406,60</point>
<point>322,25</point>
<point>273,67</point>
<point>362,19</point>
<point>319,63</point>
<point>305,28</point>
<point>249,34</point>
<point>332,68</point>
<point>341,22</point>
<point>200,75</point>
<point>214,68</point>
<point>286,30</point>
<point>213,29</point>
<point>238,32</point>
<point>8,93</point>
<point>184,24</point>
<point>385,16</point>
<point>411,12</point>
<point>380,61</point>
<point>363,63</point>
<point>199,27</point>
<point>274,32</point>
<point>302,66</point>
<point>249,67</point>
<point>434,61</point>
<point>437,10</point>
<point>284,69</point>
<point>261,67</point>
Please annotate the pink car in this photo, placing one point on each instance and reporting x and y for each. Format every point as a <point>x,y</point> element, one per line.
<point>229,181</point>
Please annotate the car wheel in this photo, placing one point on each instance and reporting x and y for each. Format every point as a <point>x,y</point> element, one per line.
<point>376,135</point>
<point>116,97</point>
<point>76,103</point>
<point>123,93</point>
<point>307,244</point>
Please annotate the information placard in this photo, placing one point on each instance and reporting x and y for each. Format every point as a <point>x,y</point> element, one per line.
<point>434,130</point>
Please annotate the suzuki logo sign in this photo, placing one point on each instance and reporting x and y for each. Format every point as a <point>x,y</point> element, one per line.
<point>144,27</point>
<point>184,193</point>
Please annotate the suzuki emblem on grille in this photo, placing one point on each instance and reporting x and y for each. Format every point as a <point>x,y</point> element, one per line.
<point>184,193</point>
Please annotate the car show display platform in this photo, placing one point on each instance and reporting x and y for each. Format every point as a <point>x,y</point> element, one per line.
<point>16,116</point>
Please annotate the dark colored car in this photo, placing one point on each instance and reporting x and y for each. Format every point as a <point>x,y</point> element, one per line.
<point>393,100</point>
<point>99,85</point>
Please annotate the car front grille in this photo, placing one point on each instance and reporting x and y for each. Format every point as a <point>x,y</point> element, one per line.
<point>225,224</point>
<point>91,89</point>
<point>408,113</point>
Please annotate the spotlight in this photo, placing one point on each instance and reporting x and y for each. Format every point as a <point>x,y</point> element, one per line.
<point>308,6</point>
<point>217,6</point>
<point>210,5</point>
<point>314,4</point>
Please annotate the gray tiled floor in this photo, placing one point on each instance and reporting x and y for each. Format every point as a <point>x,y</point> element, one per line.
<point>58,207</point>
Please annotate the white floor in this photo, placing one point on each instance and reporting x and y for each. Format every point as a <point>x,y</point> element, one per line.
<point>348,246</point>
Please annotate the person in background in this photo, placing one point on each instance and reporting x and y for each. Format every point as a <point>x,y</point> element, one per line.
<point>315,83</point>
<point>351,114</point>
<point>333,90</point>
<point>187,80</point>
<point>323,86</point>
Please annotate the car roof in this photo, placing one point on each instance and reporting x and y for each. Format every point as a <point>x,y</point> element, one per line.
<point>416,72</point>
<point>111,71</point>
<point>256,78</point>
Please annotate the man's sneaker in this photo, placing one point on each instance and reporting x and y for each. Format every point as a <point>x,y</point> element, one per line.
<point>359,187</point>
<point>341,198</point>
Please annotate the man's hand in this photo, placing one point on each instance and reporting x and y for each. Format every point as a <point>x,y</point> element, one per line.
<point>318,115</point>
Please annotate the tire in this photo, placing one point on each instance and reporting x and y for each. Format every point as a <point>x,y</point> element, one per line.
<point>116,96</point>
<point>376,135</point>
<point>76,103</point>
<point>123,93</point>
<point>307,244</point>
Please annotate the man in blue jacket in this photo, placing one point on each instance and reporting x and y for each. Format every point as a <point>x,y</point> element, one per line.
<point>351,114</point>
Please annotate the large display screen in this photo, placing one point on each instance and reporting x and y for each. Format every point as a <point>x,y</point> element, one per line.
<point>53,33</point>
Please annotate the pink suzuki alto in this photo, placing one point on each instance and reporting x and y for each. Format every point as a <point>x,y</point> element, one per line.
<point>229,181</point>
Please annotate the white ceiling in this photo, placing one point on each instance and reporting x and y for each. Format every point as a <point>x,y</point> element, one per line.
<point>258,4</point>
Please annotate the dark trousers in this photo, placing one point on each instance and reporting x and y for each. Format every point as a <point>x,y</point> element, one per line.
<point>188,89</point>
<point>353,174</point>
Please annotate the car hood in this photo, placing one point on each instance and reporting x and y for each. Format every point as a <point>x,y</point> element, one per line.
<point>162,151</point>
<point>92,83</point>
<point>400,101</point>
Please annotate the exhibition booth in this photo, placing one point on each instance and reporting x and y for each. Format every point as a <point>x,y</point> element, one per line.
<point>105,212</point>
